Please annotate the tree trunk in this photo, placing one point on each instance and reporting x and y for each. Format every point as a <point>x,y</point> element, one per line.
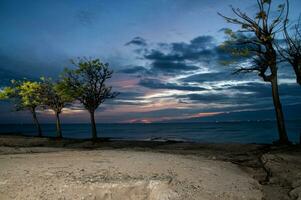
<point>58,125</point>
<point>297,68</point>
<point>93,125</point>
<point>36,122</point>
<point>283,139</point>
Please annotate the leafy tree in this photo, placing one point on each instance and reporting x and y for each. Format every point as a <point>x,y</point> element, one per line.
<point>54,98</point>
<point>25,95</point>
<point>87,84</point>
<point>259,44</point>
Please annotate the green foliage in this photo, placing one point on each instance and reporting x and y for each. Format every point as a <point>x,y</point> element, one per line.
<point>255,38</point>
<point>87,83</point>
<point>28,92</point>
<point>52,96</point>
<point>6,93</point>
<point>229,32</point>
<point>235,48</point>
<point>261,15</point>
<point>225,62</point>
<point>24,93</point>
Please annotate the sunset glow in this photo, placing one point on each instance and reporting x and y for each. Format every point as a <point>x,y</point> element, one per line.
<point>164,69</point>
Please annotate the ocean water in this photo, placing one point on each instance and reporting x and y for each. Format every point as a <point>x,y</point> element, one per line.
<point>217,132</point>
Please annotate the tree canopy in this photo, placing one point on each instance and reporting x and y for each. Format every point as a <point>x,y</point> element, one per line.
<point>255,40</point>
<point>87,83</point>
<point>24,94</point>
<point>53,96</point>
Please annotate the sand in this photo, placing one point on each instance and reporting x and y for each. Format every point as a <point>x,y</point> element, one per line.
<point>39,168</point>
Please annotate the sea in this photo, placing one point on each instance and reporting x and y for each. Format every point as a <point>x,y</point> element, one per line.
<point>202,132</point>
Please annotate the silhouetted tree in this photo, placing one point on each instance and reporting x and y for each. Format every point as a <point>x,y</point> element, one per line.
<point>260,46</point>
<point>25,95</point>
<point>87,84</point>
<point>54,98</point>
<point>291,52</point>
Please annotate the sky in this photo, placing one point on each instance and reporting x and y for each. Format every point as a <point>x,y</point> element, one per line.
<point>164,54</point>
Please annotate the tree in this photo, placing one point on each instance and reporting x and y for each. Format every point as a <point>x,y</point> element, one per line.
<point>291,52</point>
<point>87,84</point>
<point>260,45</point>
<point>25,95</point>
<point>54,98</point>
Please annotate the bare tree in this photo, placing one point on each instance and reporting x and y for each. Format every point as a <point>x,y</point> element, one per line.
<point>291,52</point>
<point>87,84</point>
<point>263,28</point>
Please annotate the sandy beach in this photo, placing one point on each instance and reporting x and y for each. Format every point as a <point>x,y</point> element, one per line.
<point>42,168</point>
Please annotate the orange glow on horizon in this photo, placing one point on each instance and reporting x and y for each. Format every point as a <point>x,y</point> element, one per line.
<point>208,114</point>
<point>152,120</point>
<point>143,121</point>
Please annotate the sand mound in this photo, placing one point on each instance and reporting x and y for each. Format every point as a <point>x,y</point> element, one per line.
<point>122,175</point>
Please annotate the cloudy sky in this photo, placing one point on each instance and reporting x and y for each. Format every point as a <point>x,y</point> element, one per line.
<point>164,54</point>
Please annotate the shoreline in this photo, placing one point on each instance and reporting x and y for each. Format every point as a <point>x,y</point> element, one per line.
<point>248,132</point>
<point>262,164</point>
<point>130,140</point>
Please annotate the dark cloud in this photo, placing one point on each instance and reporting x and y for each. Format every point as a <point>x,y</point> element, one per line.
<point>134,70</point>
<point>157,84</point>
<point>128,98</point>
<point>12,63</point>
<point>233,97</point>
<point>250,95</point>
<point>30,65</point>
<point>10,69</point>
<point>172,67</point>
<point>6,76</point>
<point>241,91</point>
<point>157,55</point>
<point>264,89</point>
<point>199,49</point>
<point>180,53</point>
<point>137,41</point>
<point>173,58</point>
<point>161,67</point>
<point>203,41</point>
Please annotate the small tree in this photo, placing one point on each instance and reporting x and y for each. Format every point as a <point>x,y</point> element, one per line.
<point>263,52</point>
<point>87,84</point>
<point>54,98</point>
<point>25,95</point>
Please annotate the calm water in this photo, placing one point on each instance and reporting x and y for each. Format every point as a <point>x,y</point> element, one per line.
<point>241,132</point>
